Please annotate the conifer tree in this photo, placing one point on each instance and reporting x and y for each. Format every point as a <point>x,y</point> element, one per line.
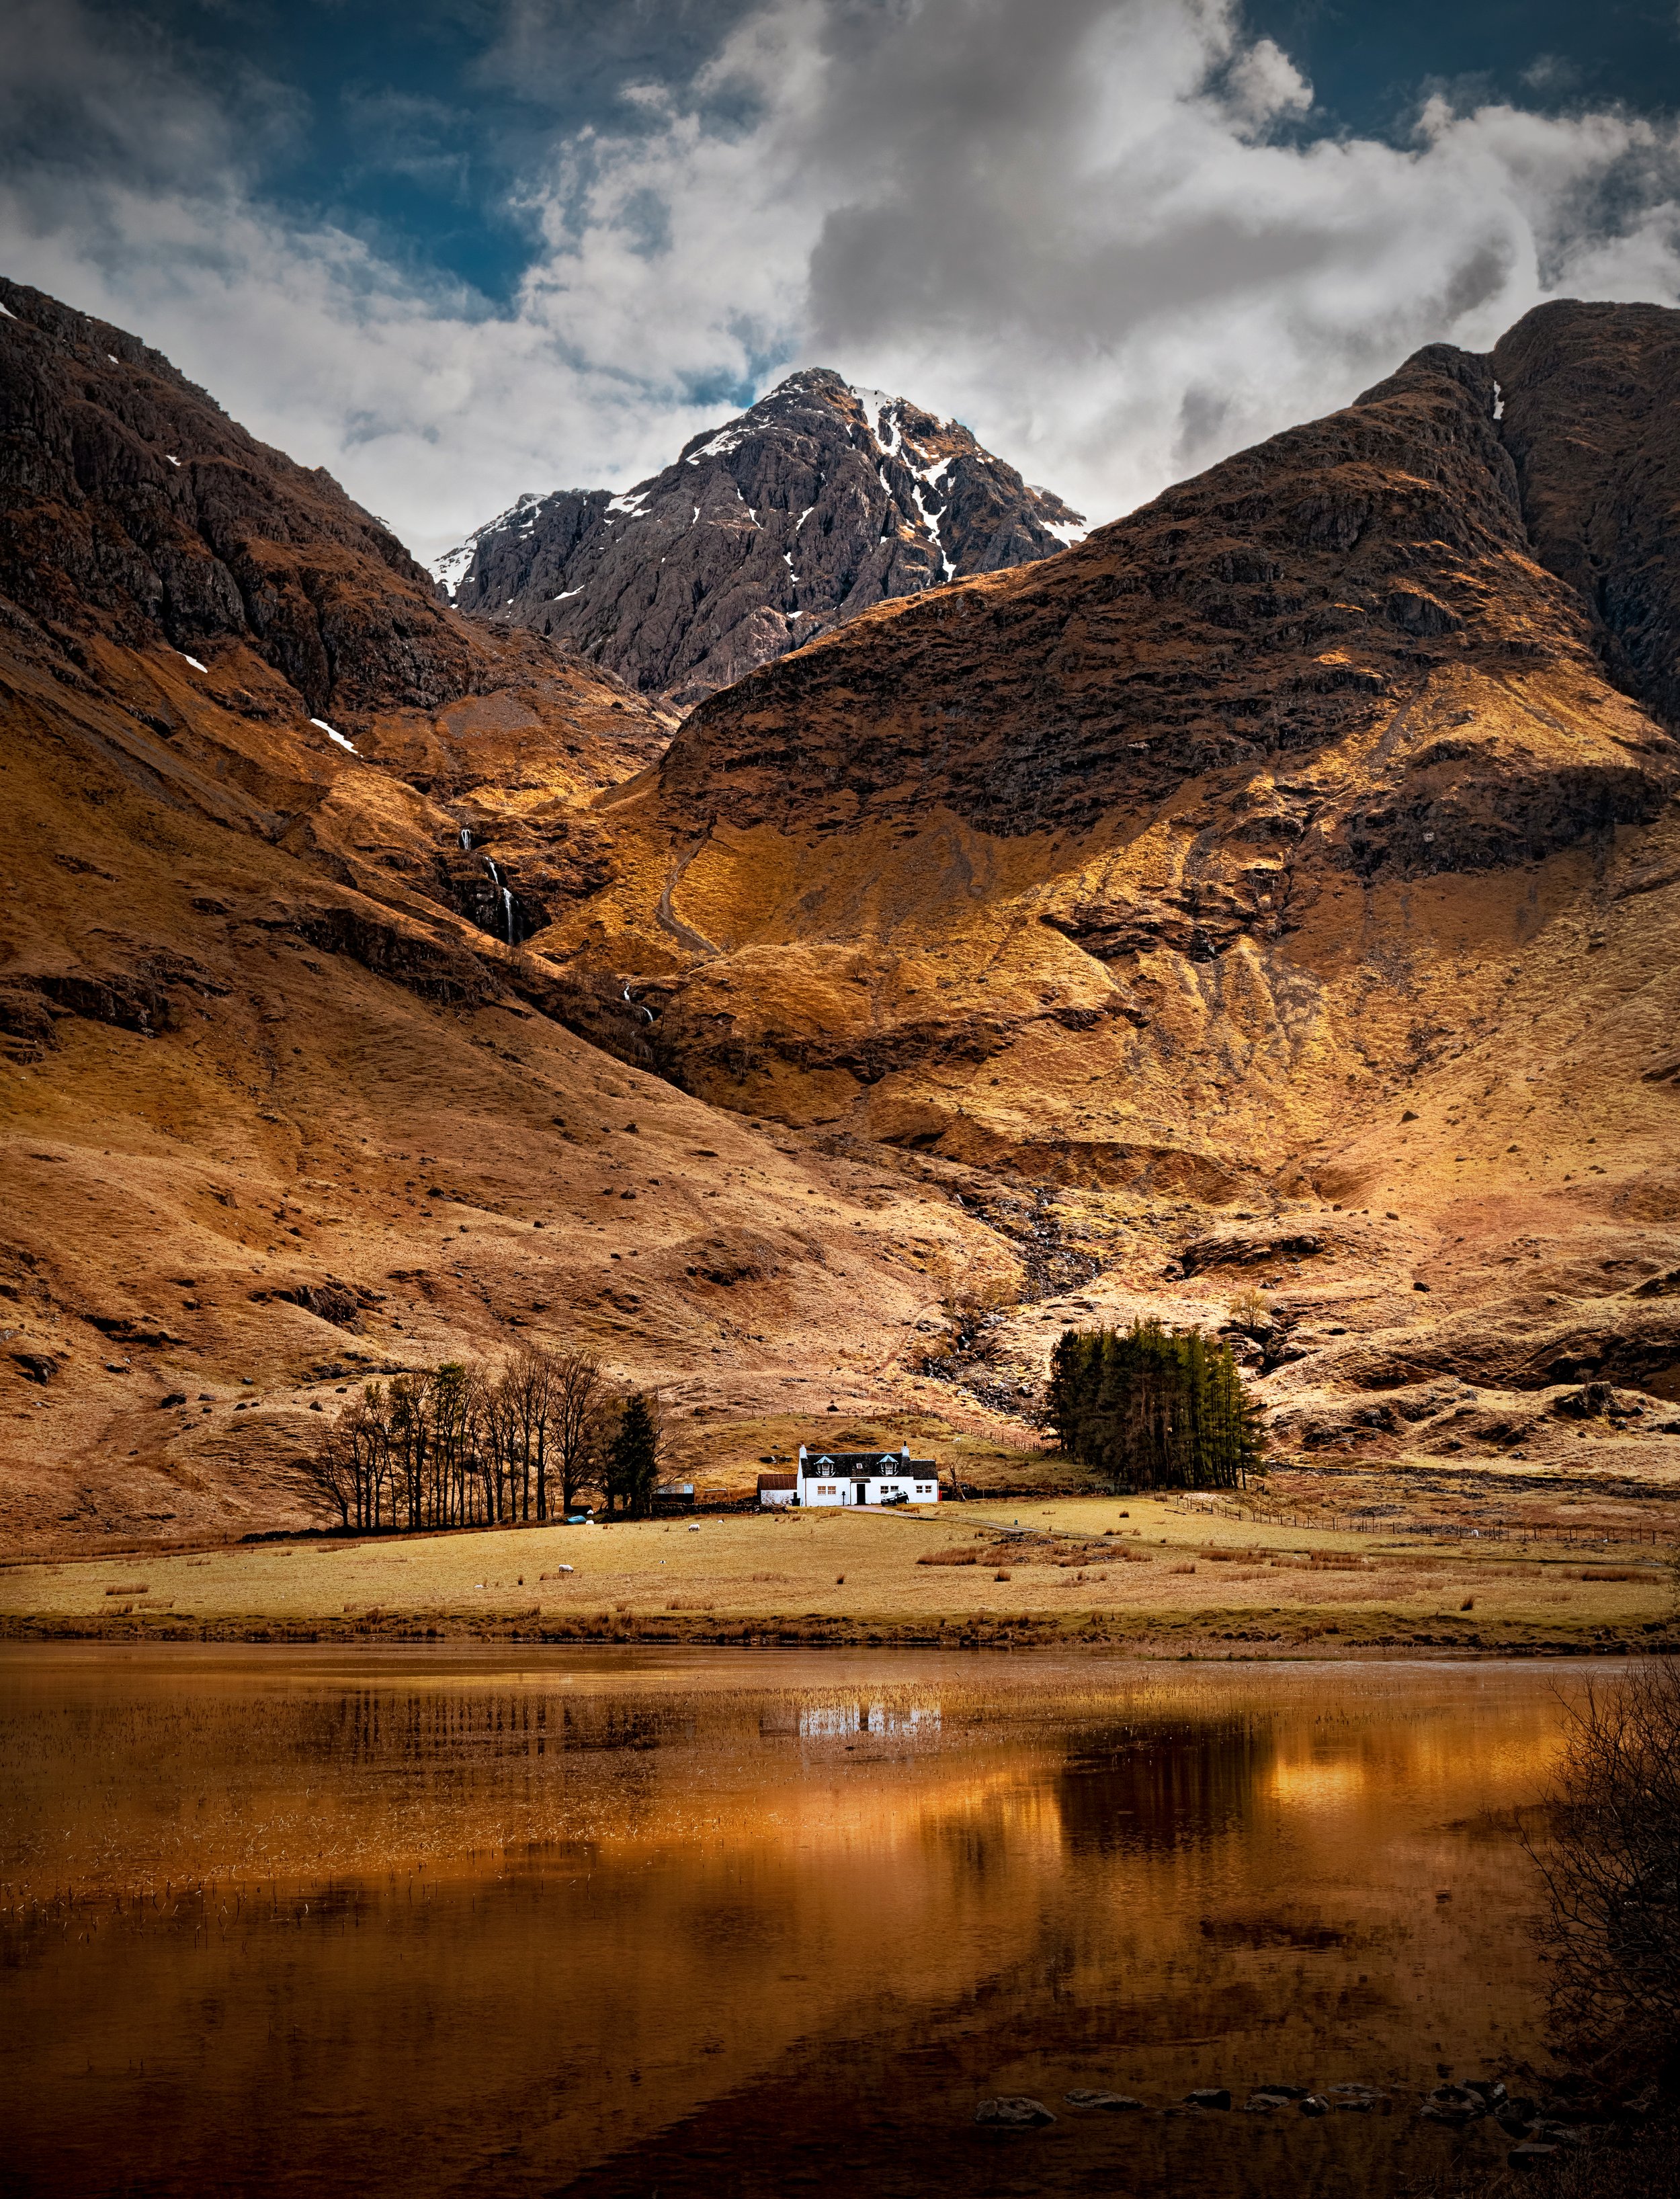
<point>632,1460</point>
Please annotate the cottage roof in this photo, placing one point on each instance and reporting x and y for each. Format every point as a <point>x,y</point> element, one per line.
<point>778,1481</point>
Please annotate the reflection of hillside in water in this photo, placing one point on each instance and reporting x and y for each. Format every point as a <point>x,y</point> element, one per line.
<point>718,1930</point>
<point>1142,1786</point>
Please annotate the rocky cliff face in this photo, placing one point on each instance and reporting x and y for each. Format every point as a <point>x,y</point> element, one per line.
<point>820,502</point>
<point>154,555</point>
<point>131,505</point>
<point>1587,401</point>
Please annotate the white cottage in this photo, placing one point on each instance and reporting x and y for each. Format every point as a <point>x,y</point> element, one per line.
<point>852,1476</point>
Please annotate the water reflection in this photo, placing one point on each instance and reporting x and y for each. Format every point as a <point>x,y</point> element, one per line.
<point>739,1923</point>
<point>1158,1788</point>
<point>843,1721</point>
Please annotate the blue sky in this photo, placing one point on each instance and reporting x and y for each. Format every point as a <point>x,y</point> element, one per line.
<point>457,248</point>
<point>418,122</point>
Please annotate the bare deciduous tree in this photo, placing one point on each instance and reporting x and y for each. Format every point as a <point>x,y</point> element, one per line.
<point>1612,1869</point>
<point>466,1444</point>
<point>579,1395</point>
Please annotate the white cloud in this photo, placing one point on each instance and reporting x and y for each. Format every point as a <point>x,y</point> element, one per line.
<point>1093,229</point>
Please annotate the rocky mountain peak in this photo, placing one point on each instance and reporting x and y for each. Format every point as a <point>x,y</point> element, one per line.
<point>134,507</point>
<point>817,503</point>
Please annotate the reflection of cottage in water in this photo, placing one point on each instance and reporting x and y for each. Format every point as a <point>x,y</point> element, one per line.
<point>854,1476</point>
<point>841,1721</point>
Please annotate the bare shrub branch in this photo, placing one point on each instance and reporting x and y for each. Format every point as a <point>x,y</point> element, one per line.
<point>1611,1869</point>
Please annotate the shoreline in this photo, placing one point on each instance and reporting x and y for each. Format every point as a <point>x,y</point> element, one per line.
<point>1157,1639</point>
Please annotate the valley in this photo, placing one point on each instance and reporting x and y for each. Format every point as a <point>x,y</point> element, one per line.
<point>1262,915</point>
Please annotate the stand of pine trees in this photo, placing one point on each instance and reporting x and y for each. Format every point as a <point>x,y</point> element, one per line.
<point>1153,1410</point>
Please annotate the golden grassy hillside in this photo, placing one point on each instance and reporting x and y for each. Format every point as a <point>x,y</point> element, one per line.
<point>1279,893</point>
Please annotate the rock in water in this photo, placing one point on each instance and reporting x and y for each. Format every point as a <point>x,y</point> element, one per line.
<point>1013,2113</point>
<point>1355,2099</point>
<point>1455,2105</point>
<point>818,502</point>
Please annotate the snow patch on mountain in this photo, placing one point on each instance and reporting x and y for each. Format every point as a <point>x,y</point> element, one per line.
<point>451,567</point>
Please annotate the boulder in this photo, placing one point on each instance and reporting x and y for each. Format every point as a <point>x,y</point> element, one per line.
<point>1356,2099</point>
<point>1488,2089</point>
<point>1209,2096</point>
<point>1114,2103</point>
<point>1568,2137</point>
<point>1313,2103</point>
<point>1592,1401</point>
<point>1013,2113</point>
<point>1459,2097</point>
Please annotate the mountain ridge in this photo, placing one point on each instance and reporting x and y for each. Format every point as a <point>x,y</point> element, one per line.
<point>289,1094</point>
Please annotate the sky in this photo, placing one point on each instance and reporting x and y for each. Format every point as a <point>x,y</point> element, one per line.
<point>457,249</point>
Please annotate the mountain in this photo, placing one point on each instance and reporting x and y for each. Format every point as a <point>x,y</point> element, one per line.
<point>1284,880</point>
<point>279,1104</point>
<point>818,503</point>
<point>1280,886</point>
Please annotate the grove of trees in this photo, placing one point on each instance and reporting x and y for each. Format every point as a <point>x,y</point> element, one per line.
<point>1153,1408</point>
<point>472,1444</point>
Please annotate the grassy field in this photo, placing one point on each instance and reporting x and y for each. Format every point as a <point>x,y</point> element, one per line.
<point>1138,1570</point>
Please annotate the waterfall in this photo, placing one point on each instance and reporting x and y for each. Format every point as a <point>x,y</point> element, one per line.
<point>509,917</point>
<point>466,838</point>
